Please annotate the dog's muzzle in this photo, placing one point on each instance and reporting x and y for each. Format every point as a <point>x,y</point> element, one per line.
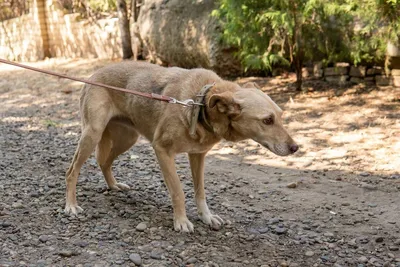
<point>282,149</point>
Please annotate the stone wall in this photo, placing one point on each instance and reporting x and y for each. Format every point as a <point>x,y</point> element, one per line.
<point>343,73</point>
<point>73,37</point>
<point>20,39</point>
<point>47,32</point>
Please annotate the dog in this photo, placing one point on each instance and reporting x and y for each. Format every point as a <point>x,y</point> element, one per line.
<point>112,122</point>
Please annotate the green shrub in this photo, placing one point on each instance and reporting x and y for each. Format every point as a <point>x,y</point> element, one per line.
<point>269,33</point>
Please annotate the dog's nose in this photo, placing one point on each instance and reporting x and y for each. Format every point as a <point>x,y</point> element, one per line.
<point>293,148</point>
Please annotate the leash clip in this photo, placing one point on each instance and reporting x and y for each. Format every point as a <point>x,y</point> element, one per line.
<point>186,103</point>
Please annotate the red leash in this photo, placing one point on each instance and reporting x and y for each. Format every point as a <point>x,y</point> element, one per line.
<point>163,98</point>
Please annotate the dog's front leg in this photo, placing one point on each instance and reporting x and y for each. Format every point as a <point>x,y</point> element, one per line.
<point>167,164</point>
<point>197,166</point>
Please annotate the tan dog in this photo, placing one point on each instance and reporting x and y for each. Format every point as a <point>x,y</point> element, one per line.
<point>112,122</point>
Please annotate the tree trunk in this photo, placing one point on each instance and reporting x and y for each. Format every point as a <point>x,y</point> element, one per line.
<point>298,48</point>
<point>124,28</point>
<point>135,10</point>
<point>299,75</point>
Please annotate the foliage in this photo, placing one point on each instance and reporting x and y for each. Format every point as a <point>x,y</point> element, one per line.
<point>287,32</point>
<point>13,8</point>
<point>379,23</point>
<point>102,5</point>
<point>282,32</point>
<point>86,6</point>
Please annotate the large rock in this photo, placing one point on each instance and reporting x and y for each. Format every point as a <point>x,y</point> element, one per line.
<point>336,71</point>
<point>394,63</point>
<point>342,79</point>
<point>374,71</point>
<point>395,72</point>
<point>396,81</point>
<point>382,80</point>
<point>318,70</point>
<point>183,33</point>
<point>359,71</point>
<point>393,50</point>
<point>307,72</point>
<point>356,80</point>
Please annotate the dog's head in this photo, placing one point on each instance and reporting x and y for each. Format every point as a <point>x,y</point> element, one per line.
<point>252,114</point>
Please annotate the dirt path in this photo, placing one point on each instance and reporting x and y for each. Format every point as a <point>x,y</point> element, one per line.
<point>344,210</point>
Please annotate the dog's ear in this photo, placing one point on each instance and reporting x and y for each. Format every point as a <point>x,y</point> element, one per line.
<point>225,104</point>
<point>251,85</point>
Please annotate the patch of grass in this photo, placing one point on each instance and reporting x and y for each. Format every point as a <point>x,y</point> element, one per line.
<point>49,123</point>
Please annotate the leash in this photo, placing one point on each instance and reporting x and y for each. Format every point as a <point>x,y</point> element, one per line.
<point>164,98</point>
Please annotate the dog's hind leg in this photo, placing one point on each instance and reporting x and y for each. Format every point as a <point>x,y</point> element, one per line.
<point>116,139</point>
<point>91,135</point>
<point>197,167</point>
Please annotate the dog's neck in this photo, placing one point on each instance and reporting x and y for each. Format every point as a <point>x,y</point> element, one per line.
<point>204,120</point>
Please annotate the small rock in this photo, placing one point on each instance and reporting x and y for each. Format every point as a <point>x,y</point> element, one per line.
<point>328,234</point>
<point>81,243</point>
<point>43,238</point>
<point>362,259</point>
<point>309,253</point>
<point>352,243</point>
<point>364,174</point>
<point>273,221</point>
<point>397,242</point>
<point>369,187</point>
<point>13,237</point>
<point>156,254</point>
<point>66,253</point>
<point>191,260</point>
<point>324,258</point>
<point>280,230</point>
<point>6,224</point>
<point>17,205</point>
<point>292,185</point>
<point>141,227</point>
<point>136,259</point>
<point>393,248</point>
<point>379,239</point>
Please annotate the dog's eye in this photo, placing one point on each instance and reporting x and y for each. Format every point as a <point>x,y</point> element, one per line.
<point>268,121</point>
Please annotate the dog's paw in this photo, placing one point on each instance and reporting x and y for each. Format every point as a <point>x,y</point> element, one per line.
<point>183,225</point>
<point>72,209</point>
<point>214,221</point>
<point>120,187</point>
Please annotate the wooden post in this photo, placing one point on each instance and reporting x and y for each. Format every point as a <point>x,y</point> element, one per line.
<point>39,13</point>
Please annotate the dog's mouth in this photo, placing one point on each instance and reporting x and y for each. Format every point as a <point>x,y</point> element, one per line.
<point>267,147</point>
<point>280,149</point>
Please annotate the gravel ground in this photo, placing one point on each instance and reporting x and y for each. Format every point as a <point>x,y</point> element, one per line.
<point>335,203</point>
